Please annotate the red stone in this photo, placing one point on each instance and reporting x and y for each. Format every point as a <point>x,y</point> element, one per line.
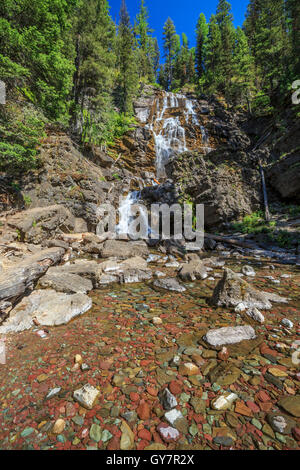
<point>263,396</point>
<point>144,434</point>
<point>253,407</point>
<point>134,396</point>
<point>175,387</point>
<point>142,444</point>
<point>143,411</point>
<point>152,391</point>
<point>114,444</point>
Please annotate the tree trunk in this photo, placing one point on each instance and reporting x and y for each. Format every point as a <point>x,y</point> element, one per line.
<point>265,194</point>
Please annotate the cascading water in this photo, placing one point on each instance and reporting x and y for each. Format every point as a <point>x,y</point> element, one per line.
<point>127,215</point>
<point>169,137</point>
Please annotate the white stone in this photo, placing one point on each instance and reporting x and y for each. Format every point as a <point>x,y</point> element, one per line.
<point>224,401</point>
<point>248,271</point>
<point>169,433</point>
<point>173,415</point>
<point>288,323</point>
<point>229,335</point>
<point>86,396</point>
<point>256,315</point>
<point>241,307</point>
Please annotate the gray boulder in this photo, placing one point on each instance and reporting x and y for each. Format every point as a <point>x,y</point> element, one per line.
<point>229,335</point>
<point>68,283</point>
<point>48,307</point>
<point>193,270</point>
<point>169,284</point>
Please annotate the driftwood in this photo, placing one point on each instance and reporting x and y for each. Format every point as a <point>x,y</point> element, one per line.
<point>230,241</point>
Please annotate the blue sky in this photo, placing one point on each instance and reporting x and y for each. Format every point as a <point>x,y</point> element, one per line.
<point>184,13</point>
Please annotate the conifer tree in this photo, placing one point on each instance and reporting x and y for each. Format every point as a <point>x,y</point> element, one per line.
<point>144,42</point>
<point>201,44</point>
<point>127,81</point>
<point>243,71</point>
<point>170,47</point>
<point>213,55</point>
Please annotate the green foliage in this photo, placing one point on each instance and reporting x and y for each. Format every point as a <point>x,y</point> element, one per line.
<point>21,130</point>
<point>253,223</point>
<point>105,133</point>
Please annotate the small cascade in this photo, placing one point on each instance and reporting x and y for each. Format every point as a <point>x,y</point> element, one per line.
<point>127,216</point>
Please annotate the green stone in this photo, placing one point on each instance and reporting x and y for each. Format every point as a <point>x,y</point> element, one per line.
<point>106,435</point>
<point>95,432</point>
<point>61,438</point>
<point>256,423</point>
<point>193,429</point>
<point>26,432</point>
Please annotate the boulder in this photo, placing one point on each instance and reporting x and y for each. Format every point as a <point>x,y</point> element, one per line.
<point>48,308</point>
<point>193,270</point>
<point>124,249</point>
<point>88,269</point>
<point>229,335</point>
<point>35,225</point>
<point>232,291</point>
<point>68,283</point>
<point>169,284</point>
<point>17,278</point>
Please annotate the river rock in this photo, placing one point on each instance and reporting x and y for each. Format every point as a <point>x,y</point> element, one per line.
<point>193,270</point>
<point>232,291</point>
<point>280,423</point>
<point>291,405</point>
<point>169,284</point>
<point>127,438</point>
<point>48,308</point>
<point>68,283</point>
<point>86,396</point>
<point>229,335</point>
<point>167,400</point>
<point>88,269</point>
<point>248,271</point>
<point>255,314</point>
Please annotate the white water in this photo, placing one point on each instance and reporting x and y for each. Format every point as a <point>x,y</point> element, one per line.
<point>169,137</point>
<point>127,214</point>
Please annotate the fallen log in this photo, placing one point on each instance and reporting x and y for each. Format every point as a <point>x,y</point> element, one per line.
<point>230,241</point>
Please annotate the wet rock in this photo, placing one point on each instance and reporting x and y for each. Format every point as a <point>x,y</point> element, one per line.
<point>169,284</point>
<point>68,283</point>
<point>232,291</point>
<point>127,438</point>
<point>291,405</point>
<point>288,323</point>
<point>95,432</point>
<point>48,307</point>
<point>188,368</point>
<point>224,402</point>
<point>229,335</point>
<point>167,400</point>
<point>225,441</point>
<point>248,271</point>
<point>173,415</point>
<point>59,426</point>
<point>167,433</point>
<point>193,270</point>
<point>86,396</point>
<point>256,315</point>
<point>280,423</point>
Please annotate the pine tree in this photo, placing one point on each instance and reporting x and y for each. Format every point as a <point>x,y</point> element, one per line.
<point>127,66</point>
<point>293,10</point>
<point>94,34</point>
<point>144,43</point>
<point>266,29</point>
<point>213,55</point>
<point>224,20</point>
<point>243,71</point>
<point>170,46</point>
<point>201,44</point>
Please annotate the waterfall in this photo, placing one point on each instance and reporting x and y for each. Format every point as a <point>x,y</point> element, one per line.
<point>169,136</point>
<point>127,216</point>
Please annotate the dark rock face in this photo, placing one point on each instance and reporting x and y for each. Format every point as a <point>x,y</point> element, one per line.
<point>284,176</point>
<point>228,190</point>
